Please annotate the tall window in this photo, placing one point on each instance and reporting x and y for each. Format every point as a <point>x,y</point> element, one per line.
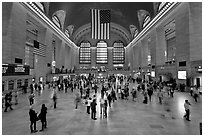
<point>56,21</point>
<point>85,53</point>
<point>149,52</point>
<point>118,53</point>
<point>170,36</point>
<point>146,21</point>
<point>11,85</point>
<point>31,35</point>
<point>102,52</point>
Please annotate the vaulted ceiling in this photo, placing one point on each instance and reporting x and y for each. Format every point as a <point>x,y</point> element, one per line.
<point>128,15</point>
<point>122,13</point>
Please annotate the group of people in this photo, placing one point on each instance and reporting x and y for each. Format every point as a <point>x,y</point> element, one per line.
<point>35,116</point>
<point>115,88</point>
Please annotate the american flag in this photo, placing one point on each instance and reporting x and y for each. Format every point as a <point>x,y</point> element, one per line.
<point>39,48</point>
<point>100,24</point>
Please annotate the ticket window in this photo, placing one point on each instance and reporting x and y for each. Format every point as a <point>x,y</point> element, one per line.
<point>19,83</point>
<point>26,82</point>
<point>11,85</point>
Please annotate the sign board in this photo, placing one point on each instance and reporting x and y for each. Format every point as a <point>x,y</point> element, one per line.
<point>12,69</point>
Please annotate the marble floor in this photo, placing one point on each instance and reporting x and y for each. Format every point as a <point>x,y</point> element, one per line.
<point>125,117</point>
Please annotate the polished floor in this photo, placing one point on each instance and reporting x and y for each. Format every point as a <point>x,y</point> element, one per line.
<point>125,117</point>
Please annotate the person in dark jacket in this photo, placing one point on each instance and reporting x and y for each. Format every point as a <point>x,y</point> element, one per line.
<point>42,117</point>
<point>150,92</point>
<point>33,119</point>
<point>109,100</point>
<point>93,109</point>
<point>8,98</point>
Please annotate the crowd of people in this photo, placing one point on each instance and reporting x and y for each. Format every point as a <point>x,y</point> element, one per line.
<point>86,92</point>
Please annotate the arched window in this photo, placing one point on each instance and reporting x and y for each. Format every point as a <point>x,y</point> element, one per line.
<point>67,32</point>
<point>56,21</point>
<point>85,53</point>
<point>41,6</point>
<point>102,52</point>
<point>146,21</point>
<point>118,52</point>
<point>161,5</point>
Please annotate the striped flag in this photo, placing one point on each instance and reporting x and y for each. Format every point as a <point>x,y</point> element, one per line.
<point>100,24</point>
<point>39,48</point>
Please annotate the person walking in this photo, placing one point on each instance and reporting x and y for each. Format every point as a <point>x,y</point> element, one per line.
<point>8,102</point>
<point>42,117</point>
<point>33,119</point>
<point>187,109</point>
<point>93,110</point>
<point>16,97</point>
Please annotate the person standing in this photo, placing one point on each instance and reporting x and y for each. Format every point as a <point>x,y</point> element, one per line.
<point>133,93</point>
<point>196,93</point>
<point>16,97</point>
<point>101,104</point>
<point>187,109</point>
<point>77,100</point>
<point>33,119</point>
<point>109,99</point>
<point>160,96</point>
<point>42,117</point>
<point>105,108</point>
<point>81,91</point>
<point>54,97</point>
<point>145,96</point>
<point>150,92</point>
<point>93,110</point>
<point>88,105</point>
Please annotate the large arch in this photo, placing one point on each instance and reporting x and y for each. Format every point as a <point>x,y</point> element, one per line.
<point>117,30</point>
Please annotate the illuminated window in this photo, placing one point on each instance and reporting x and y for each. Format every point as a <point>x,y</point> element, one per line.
<point>85,53</point>
<point>161,5</point>
<point>31,35</point>
<point>118,52</point>
<point>40,6</point>
<point>67,32</point>
<point>102,52</point>
<point>149,52</point>
<point>170,36</point>
<point>146,21</point>
<point>56,21</point>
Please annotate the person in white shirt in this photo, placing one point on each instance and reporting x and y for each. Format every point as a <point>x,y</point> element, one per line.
<point>102,101</point>
<point>88,105</point>
<point>187,109</point>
